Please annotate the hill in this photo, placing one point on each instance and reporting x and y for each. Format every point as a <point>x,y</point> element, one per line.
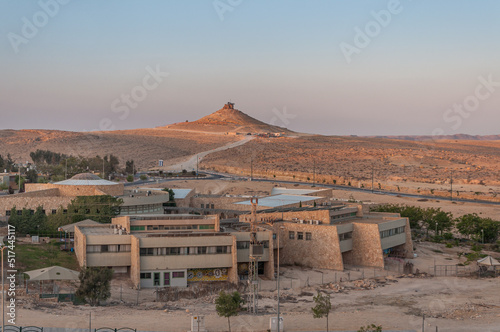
<point>228,120</point>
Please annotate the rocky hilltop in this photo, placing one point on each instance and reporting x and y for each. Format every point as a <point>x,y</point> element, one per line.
<point>229,120</point>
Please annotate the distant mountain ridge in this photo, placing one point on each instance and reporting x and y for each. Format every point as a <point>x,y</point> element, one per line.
<point>444,137</point>
<point>228,119</point>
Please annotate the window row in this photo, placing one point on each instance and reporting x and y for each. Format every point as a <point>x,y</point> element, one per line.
<point>109,248</point>
<point>185,251</point>
<point>207,206</point>
<point>165,227</point>
<point>246,244</point>
<point>300,236</point>
<point>391,232</point>
<point>345,236</point>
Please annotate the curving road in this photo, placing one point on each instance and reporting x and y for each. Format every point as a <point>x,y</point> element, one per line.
<point>190,164</point>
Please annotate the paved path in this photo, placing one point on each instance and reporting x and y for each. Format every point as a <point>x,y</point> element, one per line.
<point>190,164</point>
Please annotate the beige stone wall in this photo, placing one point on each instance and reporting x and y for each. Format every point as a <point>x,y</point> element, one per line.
<point>408,246</point>
<point>233,270</point>
<point>323,251</point>
<point>269,266</point>
<point>135,262</point>
<point>366,245</point>
<point>80,247</point>
<point>29,202</point>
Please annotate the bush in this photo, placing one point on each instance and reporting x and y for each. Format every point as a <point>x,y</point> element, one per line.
<point>448,236</point>
<point>143,177</point>
<point>449,245</point>
<point>130,178</point>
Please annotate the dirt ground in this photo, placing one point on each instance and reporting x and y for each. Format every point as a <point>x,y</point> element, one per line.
<point>359,297</point>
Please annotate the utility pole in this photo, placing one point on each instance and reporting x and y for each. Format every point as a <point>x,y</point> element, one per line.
<point>314,173</point>
<point>372,178</point>
<point>451,186</point>
<point>66,170</point>
<point>251,168</point>
<point>197,168</point>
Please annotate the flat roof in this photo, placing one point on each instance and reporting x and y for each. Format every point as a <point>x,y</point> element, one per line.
<point>281,200</point>
<point>97,230</point>
<point>179,193</point>
<point>292,191</point>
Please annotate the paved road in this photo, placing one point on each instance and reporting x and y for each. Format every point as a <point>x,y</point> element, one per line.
<point>190,164</point>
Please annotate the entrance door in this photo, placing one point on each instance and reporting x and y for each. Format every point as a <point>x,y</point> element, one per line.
<point>166,279</point>
<point>156,279</point>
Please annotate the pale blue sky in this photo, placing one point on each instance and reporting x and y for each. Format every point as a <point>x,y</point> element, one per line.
<point>266,56</point>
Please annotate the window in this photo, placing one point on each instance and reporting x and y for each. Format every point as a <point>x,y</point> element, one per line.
<point>202,250</point>
<point>166,278</point>
<point>291,235</point>
<point>300,236</point>
<point>345,236</point>
<point>202,206</point>
<point>274,236</point>
<point>146,252</point>
<point>104,248</point>
<point>19,212</point>
<point>179,274</point>
<point>7,212</point>
<point>308,236</point>
<point>265,244</point>
<point>137,228</point>
<point>206,226</point>
<point>243,245</point>
<point>146,275</point>
<point>221,250</point>
<point>54,211</point>
<point>392,231</point>
<point>212,206</point>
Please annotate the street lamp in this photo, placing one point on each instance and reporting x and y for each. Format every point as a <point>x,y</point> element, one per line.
<point>437,228</point>
<point>482,236</point>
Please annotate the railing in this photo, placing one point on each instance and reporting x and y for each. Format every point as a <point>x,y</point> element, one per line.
<point>108,329</point>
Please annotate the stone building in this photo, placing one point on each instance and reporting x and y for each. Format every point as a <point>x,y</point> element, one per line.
<point>51,196</point>
<point>172,250</point>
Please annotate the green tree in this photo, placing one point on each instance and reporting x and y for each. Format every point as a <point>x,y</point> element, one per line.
<point>100,208</point>
<point>228,305</point>
<point>130,178</point>
<point>473,226</point>
<point>370,328</point>
<point>95,284</point>
<point>32,176</point>
<point>322,307</point>
<point>143,177</point>
<point>129,167</point>
<point>28,222</point>
<point>171,197</point>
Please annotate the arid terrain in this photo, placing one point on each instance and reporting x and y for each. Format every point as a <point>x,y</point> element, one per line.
<point>220,139</point>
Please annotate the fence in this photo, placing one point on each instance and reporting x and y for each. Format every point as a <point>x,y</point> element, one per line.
<point>452,271</point>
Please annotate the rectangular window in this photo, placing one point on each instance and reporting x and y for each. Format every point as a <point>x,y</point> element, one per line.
<point>7,212</point>
<point>179,274</point>
<point>212,206</point>
<point>300,236</point>
<point>146,275</point>
<point>243,245</point>
<point>206,226</point>
<point>156,281</point>
<point>202,206</point>
<point>345,236</point>
<point>265,244</point>
<point>308,236</point>
<point>202,250</point>
<point>104,248</point>
<point>291,235</point>
<point>221,250</point>
<point>274,236</point>
<point>54,211</point>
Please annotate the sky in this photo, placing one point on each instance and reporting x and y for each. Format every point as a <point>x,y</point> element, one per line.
<point>327,67</point>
